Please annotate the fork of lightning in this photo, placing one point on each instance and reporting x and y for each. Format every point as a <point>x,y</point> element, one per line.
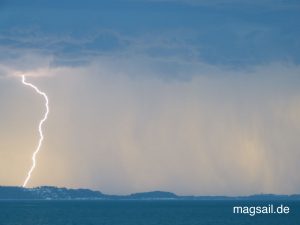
<point>42,121</point>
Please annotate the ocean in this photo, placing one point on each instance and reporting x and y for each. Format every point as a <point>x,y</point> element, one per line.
<point>148,212</point>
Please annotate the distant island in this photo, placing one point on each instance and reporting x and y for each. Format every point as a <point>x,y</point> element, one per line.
<point>56,193</point>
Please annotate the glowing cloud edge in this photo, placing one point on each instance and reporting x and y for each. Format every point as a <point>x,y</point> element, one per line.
<point>40,129</point>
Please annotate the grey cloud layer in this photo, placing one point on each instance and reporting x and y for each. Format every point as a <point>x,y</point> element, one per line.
<point>235,35</point>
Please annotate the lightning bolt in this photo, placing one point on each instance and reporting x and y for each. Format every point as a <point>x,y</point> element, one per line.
<point>40,128</point>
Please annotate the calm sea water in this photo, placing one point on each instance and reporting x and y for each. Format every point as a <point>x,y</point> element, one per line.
<point>138,213</point>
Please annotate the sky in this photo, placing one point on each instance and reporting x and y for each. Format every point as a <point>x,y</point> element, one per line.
<point>196,97</point>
